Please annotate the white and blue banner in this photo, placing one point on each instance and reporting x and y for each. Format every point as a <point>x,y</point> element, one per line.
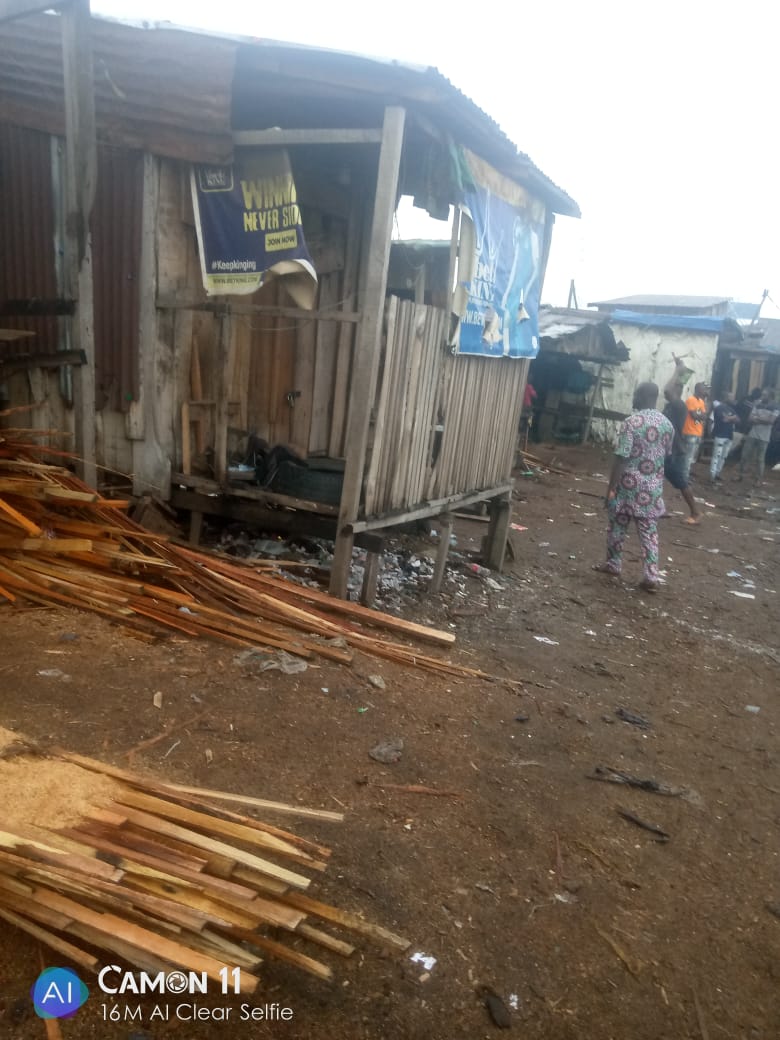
<point>500,281</point>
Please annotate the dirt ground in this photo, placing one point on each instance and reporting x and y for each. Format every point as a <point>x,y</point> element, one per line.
<point>530,881</point>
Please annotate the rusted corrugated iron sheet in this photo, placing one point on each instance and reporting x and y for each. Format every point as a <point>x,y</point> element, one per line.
<point>116,250</point>
<point>27,231</point>
<point>28,252</point>
<point>159,90</point>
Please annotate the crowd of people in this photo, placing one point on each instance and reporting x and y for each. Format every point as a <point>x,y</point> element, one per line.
<point>654,445</point>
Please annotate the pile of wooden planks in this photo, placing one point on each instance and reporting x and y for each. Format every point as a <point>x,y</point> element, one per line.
<point>63,544</point>
<point>95,861</point>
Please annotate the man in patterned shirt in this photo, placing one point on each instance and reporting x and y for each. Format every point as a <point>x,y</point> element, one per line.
<point>635,490</point>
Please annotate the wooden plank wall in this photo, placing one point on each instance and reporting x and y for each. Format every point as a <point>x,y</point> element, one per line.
<point>443,424</point>
<point>287,377</point>
<point>481,404</point>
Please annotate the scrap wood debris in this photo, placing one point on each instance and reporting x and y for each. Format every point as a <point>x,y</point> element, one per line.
<point>61,543</point>
<point>98,861</point>
<point>608,775</point>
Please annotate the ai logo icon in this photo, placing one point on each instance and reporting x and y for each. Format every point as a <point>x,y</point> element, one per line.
<point>58,993</point>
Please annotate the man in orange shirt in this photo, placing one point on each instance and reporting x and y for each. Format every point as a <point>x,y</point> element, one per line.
<point>694,425</point>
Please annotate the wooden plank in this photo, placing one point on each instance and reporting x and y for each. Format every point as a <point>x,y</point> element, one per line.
<point>370,578</point>
<point>284,138</point>
<point>19,519</point>
<point>343,607</point>
<point>186,442</point>
<point>247,913</point>
<point>357,216</point>
<point>80,183</point>
<point>432,508</point>
<point>260,803</point>
<point>67,949</point>
<point>213,824</point>
<point>346,919</point>
<point>201,841</point>
<point>305,353</point>
<point>62,494</point>
<point>330,942</point>
<point>378,445</point>
<point>177,303</point>
<point>223,384</point>
<point>392,377</point>
<point>445,531</point>
<point>498,531</point>
<point>211,488</point>
<point>324,369</point>
<point>139,938</point>
<point>285,953</point>
<point>368,343</point>
<point>138,419</point>
<point>47,545</point>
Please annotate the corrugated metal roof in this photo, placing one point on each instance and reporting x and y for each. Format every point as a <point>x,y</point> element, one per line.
<point>170,91</point>
<point>649,300</point>
<point>771,334</point>
<point>563,321</point>
<point>691,322</point>
<point>156,89</point>
<point>295,69</point>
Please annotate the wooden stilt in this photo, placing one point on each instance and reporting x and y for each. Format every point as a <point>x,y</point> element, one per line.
<point>445,532</point>
<point>498,531</point>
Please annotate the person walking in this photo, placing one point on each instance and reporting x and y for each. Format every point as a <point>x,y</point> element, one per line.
<point>693,429</point>
<point>724,419</point>
<point>635,489</point>
<point>762,419</point>
<point>674,463</point>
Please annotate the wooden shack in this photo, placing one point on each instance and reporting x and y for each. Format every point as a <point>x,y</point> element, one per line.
<point>370,387</point>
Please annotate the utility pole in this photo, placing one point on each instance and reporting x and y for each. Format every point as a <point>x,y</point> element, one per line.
<point>572,296</point>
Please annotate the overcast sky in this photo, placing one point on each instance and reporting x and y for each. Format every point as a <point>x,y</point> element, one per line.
<point>659,118</point>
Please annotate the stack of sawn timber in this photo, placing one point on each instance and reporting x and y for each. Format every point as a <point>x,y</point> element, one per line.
<point>63,544</point>
<point>97,861</point>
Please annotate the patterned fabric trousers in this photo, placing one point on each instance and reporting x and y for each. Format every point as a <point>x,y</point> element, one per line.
<point>647,529</point>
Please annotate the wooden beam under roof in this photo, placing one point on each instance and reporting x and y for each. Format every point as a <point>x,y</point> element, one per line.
<point>286,138</point>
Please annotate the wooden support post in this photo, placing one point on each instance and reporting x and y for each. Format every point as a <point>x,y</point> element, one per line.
<point>186,439</point>
<point>224,380</point>
<point>498,531</point>
<point>370,578</point>
<point>445,531</point>
<point>80,180</point>
<point>419,285</point>
<point>138,424</point>
<point>368,345</point>
<point>594,396</point>
<point>196,523</point>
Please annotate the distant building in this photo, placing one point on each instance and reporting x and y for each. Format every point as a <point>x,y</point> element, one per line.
<point>657,327</point>
<point>649,303</point>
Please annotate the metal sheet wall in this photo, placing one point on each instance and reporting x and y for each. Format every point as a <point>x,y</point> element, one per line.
<point>27,232</point>
<point>116,250</point>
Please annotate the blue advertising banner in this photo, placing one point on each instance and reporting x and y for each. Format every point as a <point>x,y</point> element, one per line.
<point>500,282</point>
<point>249,227</point>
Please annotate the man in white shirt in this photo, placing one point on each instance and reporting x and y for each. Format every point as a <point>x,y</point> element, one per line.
<point>762,419</point>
